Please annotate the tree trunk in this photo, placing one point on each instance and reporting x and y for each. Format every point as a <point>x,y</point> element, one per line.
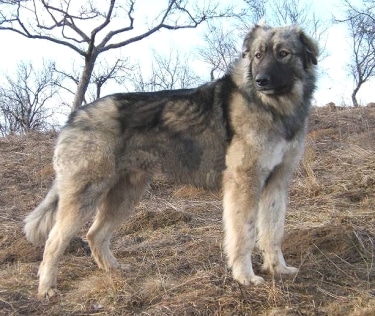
<point>354,100</point>
<point>98,89</point>
<point>83,82</point>
<point>212,76</point>
<point>354,96</point>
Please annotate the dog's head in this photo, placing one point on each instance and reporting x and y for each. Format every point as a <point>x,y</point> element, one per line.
<point>279,60</point>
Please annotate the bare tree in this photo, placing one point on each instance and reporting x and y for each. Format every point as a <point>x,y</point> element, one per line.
<point>286,12</point>
<point>258,10</point>
<point>220,50</point>
<point>289,12</point>
<point>103,73</point>
<point>222,47</point>
<point>71,23</point>
<point>362,67</point>
<point>167,72</point>
<point>360,22</point>
<point>120,71</point>
<point>24,97</point>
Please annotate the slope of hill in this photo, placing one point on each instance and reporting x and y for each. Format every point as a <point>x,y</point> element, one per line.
<point>171,248</point>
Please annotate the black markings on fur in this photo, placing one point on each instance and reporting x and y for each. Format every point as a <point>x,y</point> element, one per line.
<point>180,133</point>
<point>293,123</point>
<point>140,110</point>
<point>191,155</point>
<point>224,95</point>
<point>268,179</point>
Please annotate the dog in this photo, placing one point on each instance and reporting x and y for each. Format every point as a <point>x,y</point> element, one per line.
<point>243,133</point>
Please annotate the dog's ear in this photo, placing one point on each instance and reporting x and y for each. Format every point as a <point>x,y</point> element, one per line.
<point>249,39</point>
<point>311,50</point>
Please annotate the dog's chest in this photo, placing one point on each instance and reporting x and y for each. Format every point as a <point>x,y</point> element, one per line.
<point>273,154</point>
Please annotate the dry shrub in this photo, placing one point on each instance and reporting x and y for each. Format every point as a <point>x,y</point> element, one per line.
<point>185,192</point>
<point>149,220</point>
<point>20,251</point>
<point>308,161</point>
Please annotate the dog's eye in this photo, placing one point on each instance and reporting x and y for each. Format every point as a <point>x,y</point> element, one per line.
<point>258,55</point>
<point>283,53</point>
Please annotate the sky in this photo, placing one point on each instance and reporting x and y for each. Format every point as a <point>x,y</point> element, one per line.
<point>334,85</point>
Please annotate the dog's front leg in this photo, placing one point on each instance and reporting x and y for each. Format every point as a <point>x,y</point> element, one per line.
<point>240,201</point>
<point>271,219</point>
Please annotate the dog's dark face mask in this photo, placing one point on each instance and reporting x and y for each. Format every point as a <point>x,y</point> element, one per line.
<point>271,73</point>
<point>278,59</point>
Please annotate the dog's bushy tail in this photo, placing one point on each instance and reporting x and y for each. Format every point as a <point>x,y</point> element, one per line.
<point>39,222</point>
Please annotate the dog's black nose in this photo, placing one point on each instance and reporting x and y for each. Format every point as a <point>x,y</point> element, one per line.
<point>262,80</point>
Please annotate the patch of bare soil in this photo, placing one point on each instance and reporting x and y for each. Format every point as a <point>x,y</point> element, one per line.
<point>171,249</point>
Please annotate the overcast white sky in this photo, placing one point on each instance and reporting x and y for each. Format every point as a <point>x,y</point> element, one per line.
<point>334,84</point>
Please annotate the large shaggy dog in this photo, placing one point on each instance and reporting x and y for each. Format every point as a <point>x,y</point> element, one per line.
<point>244,132</point>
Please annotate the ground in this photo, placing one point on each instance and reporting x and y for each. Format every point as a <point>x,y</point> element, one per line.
<point>172,247</point>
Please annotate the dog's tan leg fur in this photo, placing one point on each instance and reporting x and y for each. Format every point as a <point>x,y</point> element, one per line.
<point>116,206</point>
<point>271,218</point>
<point>67,223</point>
<point>241,189</point>
<point>272,209</point>
<point>240,213</point>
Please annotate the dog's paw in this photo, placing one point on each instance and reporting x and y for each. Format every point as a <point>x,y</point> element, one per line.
<point>246,277</point>
<point>248,280</point>
<point>282,269</point>
<point>48,294</point>
<point>256,280</point>
<point>287,270</point>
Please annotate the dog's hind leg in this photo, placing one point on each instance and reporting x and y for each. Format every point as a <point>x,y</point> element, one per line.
<point>118,204</point>
<point>77,204</point>
<point>69,219</point>
<point>271,219</point>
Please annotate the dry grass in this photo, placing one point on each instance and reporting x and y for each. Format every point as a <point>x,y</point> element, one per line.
<point>171,249</point>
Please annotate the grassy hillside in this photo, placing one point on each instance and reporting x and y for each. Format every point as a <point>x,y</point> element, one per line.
<point>171,248</point>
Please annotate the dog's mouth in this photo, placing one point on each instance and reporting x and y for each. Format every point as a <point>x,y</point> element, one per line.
<point>274,91</point>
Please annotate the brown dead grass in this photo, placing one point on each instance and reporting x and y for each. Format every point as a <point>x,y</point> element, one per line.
<point>171,249</point>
